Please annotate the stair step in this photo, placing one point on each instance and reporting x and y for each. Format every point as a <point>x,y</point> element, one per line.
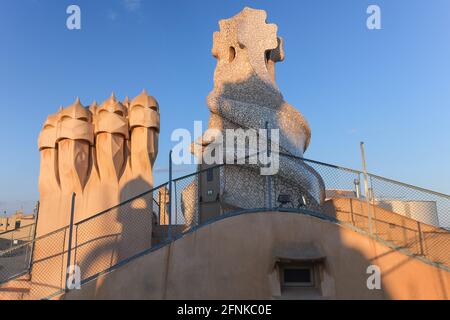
<point>16,290</point>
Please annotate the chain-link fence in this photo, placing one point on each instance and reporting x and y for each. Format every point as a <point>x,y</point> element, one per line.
<point>15,251</point>
<point>119,233</point>
<point>403,216</point>
<point>17,236</point>
<point>93,245</point>
<point>44,258</point>
<point>411,217</point>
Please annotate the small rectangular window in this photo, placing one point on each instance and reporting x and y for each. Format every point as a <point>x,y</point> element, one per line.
<point>209,175</point>
<point>298,277</point>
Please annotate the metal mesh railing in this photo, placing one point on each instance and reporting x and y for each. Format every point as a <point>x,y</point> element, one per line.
<point>44,257</point>
<point>412,217</point>
<point>216,191</point>
<point>48,268</point>
<point>17,236</point>
<point>15,251</point>
<point>403,216</point>
<point>115,235</point>
<point>98,243</point>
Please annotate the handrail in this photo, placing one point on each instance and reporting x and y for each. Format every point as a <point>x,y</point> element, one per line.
<point>17,229</point>
<point>197,172</point>
<point>120,204</point>
<point>81,221</point>
<point>220,165</point>
<point>173,198</point>
<point>410,186</point>
<point>322,163</point>
<point>217,166</point>
<point>327,165</point>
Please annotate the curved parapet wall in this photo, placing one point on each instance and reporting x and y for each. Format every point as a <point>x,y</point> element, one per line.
<point>242,257</point>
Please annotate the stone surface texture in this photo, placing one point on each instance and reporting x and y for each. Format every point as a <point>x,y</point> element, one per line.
<point>234,258</point>
<point>104,154</point>
<point>246,96</point>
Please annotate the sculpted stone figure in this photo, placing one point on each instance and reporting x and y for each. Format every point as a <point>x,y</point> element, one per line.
<point>246,96</point>
<point>104,154</point>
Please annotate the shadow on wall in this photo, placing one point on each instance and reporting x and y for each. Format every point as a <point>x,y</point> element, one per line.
<point>399,231</point>
<point>121,233</point>
<point>248,260</point>
<point>257,256</point>
<point>245,260</point>
<point>231,107</point>
<point>245,257</point>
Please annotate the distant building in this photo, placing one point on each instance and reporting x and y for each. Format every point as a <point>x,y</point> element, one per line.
<point>16,221</point>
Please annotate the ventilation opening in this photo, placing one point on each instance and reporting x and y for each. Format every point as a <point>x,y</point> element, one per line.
<point>298,277</point>
<point>231,54</point>
<point>267,55</point>
<point>209,175</point>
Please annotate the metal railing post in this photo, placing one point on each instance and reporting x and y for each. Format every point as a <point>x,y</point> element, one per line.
<point>419,228</point>
<point>366,188</point>
<point>268,177</point>
<point>27,248</point>
<point>169,229</point>
<point>36,219</point>
<point>11,244</point>
<point>69,247</point>
<point>357,187</point>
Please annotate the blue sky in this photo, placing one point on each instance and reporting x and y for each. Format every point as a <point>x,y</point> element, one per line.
<point>389,87</point>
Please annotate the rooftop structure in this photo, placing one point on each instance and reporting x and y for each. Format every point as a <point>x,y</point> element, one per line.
<point>226,231</point>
